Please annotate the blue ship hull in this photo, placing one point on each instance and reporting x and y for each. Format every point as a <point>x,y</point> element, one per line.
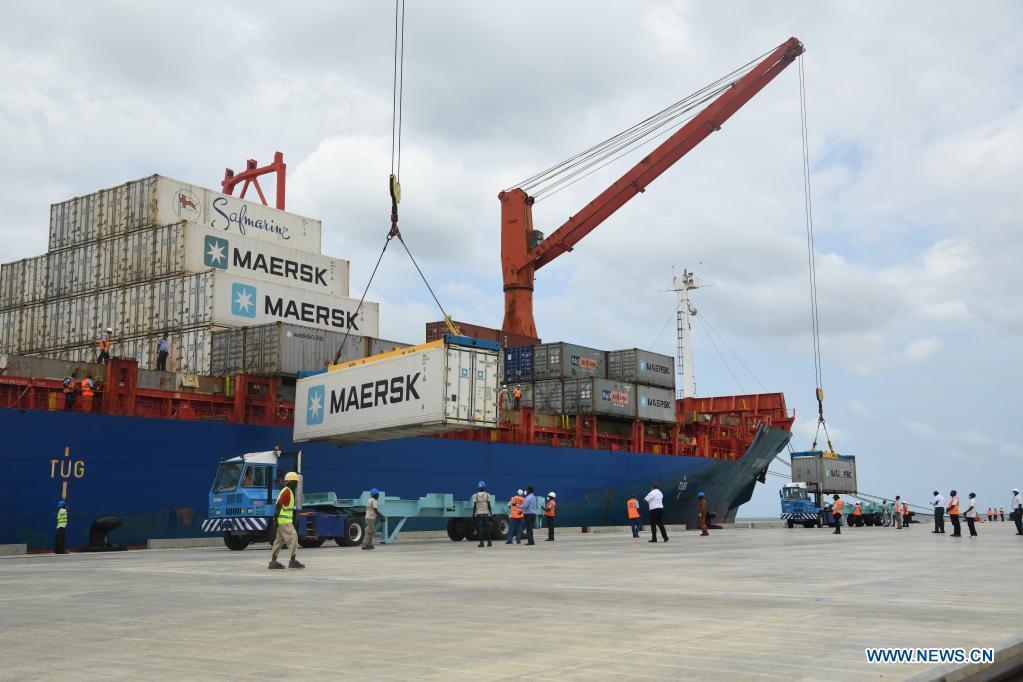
<point>155,474</point>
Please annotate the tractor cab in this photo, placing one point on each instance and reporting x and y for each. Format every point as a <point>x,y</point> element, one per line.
<point>248,485</point>
<point>797,507</point>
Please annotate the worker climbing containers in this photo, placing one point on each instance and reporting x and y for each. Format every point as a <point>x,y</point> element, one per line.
<point>442,386</point>
<point>568,361</point>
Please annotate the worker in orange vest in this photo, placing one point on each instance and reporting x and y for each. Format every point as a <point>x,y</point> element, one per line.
<point>633,508</point>
<point>70,386</point>
<point>953,514</point>
<point>104,346</point>
<point>990,513</point>
<point>703,513</point>
<point>515,516</point>
<point>858,513</point>
<point>86,386</point>
<point>836,514</point>
<point>517,395</point>
<point>1001,512</point>
<point>548,515</point>
<point>906,515</point>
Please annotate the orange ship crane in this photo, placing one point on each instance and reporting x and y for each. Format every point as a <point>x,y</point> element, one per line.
<point>522,252</point>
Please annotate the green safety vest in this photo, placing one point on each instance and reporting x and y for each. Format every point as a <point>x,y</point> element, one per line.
<point>286,510</point>
<point>62,518</point>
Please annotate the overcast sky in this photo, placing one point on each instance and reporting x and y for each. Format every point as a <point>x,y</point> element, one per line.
<point>916,139</point>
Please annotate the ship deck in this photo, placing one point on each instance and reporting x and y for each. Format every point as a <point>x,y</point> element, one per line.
<point>741,604</point>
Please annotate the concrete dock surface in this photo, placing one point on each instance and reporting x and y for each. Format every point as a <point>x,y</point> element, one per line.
<point>766,604</point>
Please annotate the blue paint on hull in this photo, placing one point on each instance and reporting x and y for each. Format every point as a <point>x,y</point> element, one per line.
<point>155,473</point>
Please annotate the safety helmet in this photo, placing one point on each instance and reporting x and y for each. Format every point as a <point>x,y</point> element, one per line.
<point>110,329</point>
<point>521,492</point>
<point>291,476</point>
<point>374,491</point>
<point>61,503</point>
<point>701,494</point>
<point>483,484</point>
<point>551,494</point>
<point>834,497</point>
<point>1015,490</point>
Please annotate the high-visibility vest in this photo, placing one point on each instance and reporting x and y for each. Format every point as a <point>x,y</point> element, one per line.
<point>518,393</point>
<point>633,506</point>
<point>86,388</point>
<point>837,508</point>
<point>953,506</point>
<point>856,510</point>
<point>104,341</point>
<point>62,518</point>
<point>69,385</point>
<point>1001,511</point>
<point>287,510</point>
<point>898,507</point>
<point>516,511</point>
<point>548,510</point>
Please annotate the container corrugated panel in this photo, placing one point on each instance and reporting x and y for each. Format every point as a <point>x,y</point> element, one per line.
<point>33,327</point>
<point>169,250</point>
<point>35,279</point>
<point>109,309</point>
<point>518,364</point>
<point>55,325</point>
<point>10,330</point>
<point>81,319</point>
<point>137,311</point>
<point>72,271</point>
<point>168,304</point>
<point>12,284</point>
<point>548,396</point>
<point>829,474</point>
<point>197,301</point>
<point>655,404</point>
<point>568,361</point>
<point>227,352</point>
<point>600,397</point>
<point>378,346</point>
<point>641,367</point>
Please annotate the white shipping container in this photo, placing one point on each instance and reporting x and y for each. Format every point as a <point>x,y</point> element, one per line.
<point>108,311</point>
<point>10,330</point>
<point>197,299</point>
<point>12,287</point>
<point>34,282</point>
<point>33,327</point>
<point>55,325</point>
<point>72,271</point>
<point>239,302</point>
<point>81,319</point>
<point>136,311</point>
<point>421,390</point>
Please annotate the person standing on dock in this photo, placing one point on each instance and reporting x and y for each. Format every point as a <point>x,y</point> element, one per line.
<point>515,517</point>
<point>1017,511</point>
<point>372,513</point>
<point>104,346</point>
<point>703,513</point>
<point>857,515</point>
<point>836,513</point>
<point>906,515</point>
<point>284,517</point>
<point>971,514</point>
<point>953,514</point>
<point>897,512</point>
<point>655,502</point>
<point>58,540</point>
<point>1001,511</point>
<point>548,515</point>
<point>990,513</point>
<point>938,503</point>
<point>633,508</point>
<point>483,512</point>
<point>529,513</point>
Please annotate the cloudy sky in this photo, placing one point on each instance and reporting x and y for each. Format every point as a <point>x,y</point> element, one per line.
<point>916,140</point>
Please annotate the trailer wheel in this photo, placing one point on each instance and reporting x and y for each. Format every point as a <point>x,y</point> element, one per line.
<point>235,542</point>
<point>311,543</point>
<point>354,533</point>
<point>499,531</point>
<point>790,523</point>
<point>456,529</point>
<point>472,531</point>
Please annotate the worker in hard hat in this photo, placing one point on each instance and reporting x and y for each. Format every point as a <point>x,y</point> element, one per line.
<point>104,346</point>
<point>483,513</point>
<point>632,507</point>
<point>703,513</point>
<point>549,511</point>
<point>284,517</point>
<point>58,540</point>
<point>372,514</point>
<point>857,515</point>
<point>836,513</point>
<point>515,516</point>
<point>517,395</point>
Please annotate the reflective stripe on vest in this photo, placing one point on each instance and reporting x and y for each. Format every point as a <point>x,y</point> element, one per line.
<point>633,506</point>
<point>953,505</point>
<point>549,509</point>
<point>516,512</point>
<point>837,509</point>
<point>286,510</point>
<point>62,518</point>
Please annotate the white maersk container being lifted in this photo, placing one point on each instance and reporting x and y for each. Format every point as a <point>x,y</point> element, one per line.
<point>436,387</point>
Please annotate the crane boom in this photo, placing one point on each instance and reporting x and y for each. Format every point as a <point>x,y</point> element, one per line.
<point>521,256</point>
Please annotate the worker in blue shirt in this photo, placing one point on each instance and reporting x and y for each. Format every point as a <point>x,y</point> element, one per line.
<point>162,347</point>
<point>529,511</point>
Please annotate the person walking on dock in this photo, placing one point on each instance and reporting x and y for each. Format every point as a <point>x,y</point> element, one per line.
<point>58,540</point>
<point>1016,511</point>
<point>703,513</point>
<point>162,347</point>
<point>482,512</point>
<point>633,508</point>
<point>953,514</point>
<point>529,514</point>
<point>284,516</point>
<point>1001,512</point>
<point>836,513</point>
<point>104,346</point>
<point>655,502</point>
<point>515,517</point>
<point>70,386</point>
<point>971,514</point>
<point>857,515</point>
<point>897,512</point>
<point>549,510</point>
<point>938,503</point>
<point>990,513</point>
<point>372,514</point>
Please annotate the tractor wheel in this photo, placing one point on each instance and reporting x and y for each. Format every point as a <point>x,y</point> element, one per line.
<point>808,523</point>
<point>354,533</point>
<point>500,529</point>
<point>311,543</point>
<point>790,523</point>
<point>235,542</point>
<point>456,529</point>
<point>472,531</point>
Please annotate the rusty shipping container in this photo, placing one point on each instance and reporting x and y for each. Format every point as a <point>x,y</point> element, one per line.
<point>437,330</point>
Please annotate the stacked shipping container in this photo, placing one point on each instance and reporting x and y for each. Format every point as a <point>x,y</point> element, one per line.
<point>157,256</point>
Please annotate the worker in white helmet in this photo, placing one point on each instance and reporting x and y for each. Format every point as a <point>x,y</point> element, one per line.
<point>548,515</point>
<point>104,346</point>
<point>284,516</point>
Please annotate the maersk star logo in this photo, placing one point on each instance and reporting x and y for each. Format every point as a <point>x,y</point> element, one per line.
<point>243,300</point>
<point>215,252</point>
<point>314,410</point>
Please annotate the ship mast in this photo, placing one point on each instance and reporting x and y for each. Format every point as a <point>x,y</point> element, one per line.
<point>685,381</point>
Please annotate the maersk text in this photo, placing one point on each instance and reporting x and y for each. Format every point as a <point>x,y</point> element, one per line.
<point>371,394</point>
<point>279,267</point>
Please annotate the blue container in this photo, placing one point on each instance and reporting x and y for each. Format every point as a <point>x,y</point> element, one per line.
<point>518,364</point>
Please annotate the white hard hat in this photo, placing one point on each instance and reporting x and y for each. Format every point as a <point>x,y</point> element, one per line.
<point>521,492</point>
<point>110,329</point>
<point>551,494</point>
<point>1015,490</point>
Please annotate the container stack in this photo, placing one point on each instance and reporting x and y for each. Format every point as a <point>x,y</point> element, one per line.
<point>158,257</point>
<point>565,379</point>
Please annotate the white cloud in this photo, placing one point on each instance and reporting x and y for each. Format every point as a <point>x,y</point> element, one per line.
<point>923,350</point>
